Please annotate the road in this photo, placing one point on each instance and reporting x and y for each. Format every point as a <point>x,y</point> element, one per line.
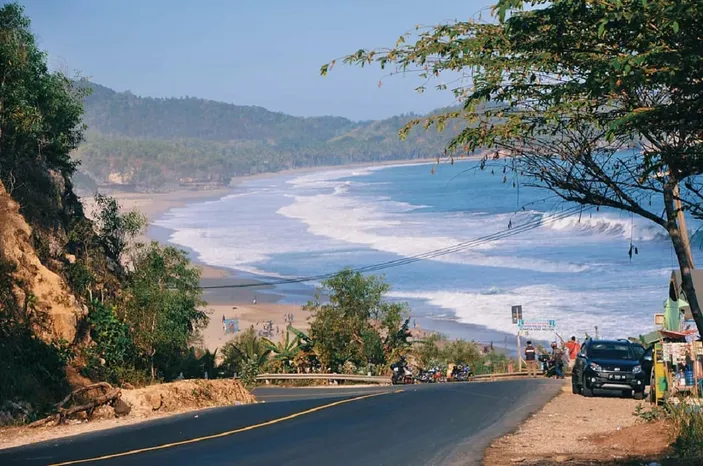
<point>411,425</point>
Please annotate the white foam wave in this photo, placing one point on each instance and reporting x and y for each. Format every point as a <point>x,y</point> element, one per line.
<point>376,225</point>
<point>607,225</point>
<point>576,313</point>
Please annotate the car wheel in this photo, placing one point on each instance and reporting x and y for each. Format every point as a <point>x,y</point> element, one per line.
<point>575,389</point>
<point>639,395</point>
<point>587,392</point>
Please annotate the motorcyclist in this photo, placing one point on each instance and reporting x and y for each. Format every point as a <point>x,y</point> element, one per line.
<point>558,360</point>
<point>402,369</point>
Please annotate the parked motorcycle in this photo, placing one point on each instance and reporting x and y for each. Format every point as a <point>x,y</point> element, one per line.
<point>431,375</point>
<point>462,373</point>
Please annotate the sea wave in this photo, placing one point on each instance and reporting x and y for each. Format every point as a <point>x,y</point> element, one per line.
<point>607,225</point>
<point>379,224</point>
<point>576,313</point>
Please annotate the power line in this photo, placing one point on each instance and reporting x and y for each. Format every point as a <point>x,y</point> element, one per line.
<point>464,245</point>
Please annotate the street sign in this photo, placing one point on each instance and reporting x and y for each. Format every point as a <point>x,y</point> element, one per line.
<point>537,325</point>
<point>517,313</point>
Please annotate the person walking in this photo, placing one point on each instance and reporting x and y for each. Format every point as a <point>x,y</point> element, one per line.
<point>574,347</point>
<point>531,360</point>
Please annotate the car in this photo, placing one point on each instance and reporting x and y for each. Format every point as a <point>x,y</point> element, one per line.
<point>611,365</point>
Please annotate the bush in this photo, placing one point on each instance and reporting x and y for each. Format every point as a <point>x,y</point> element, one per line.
<point>688,429</point>
<point>114,356</point>
<point>31,369</point>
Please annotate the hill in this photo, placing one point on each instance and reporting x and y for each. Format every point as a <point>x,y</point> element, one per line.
<point>160,144</point>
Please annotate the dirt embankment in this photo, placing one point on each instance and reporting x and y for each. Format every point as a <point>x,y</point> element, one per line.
<point>145,403</point>
<point>42,290</point>
<point>575,430</point>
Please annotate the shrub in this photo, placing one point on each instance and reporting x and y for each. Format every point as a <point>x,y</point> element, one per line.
<point>688,430</point>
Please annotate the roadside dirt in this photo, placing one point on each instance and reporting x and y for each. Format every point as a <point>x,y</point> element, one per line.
<point>574,430</point>
<point>146,403</point>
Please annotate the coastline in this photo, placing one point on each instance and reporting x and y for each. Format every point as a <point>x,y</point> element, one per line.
<point>238,303</point>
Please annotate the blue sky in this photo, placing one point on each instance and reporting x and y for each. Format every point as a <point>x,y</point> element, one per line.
<point>248,52</point>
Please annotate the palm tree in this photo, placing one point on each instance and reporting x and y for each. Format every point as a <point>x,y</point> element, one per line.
<point>285,350</point>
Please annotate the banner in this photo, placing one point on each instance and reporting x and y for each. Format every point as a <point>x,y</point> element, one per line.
<point>537,325</point>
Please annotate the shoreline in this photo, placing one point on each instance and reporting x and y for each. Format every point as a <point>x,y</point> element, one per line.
<point>238,303</point>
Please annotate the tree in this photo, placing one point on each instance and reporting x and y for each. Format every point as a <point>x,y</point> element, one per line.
<point>356,326</point>
<point>245,355</point>
<point>116,229</point>
<point>286,350</point>
<point>597,101</point>
<point>163,305</point>
<point>40,125</point>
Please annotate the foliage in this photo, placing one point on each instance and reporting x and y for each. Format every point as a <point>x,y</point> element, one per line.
<point>428,351</point>
<point>158,144</point>
<point>654,413</point>
<point>245,355</point>
<point>163,306</point>
<point>115,228</point>
<point>356,325</point>
<point>114,353</point>
<point>687,422</point>
<point>32,370</point>
<point>286,350</point>
<point>197,363</point>
<point>596,101</point>
<point>435,349</point>
<point>40,117</point>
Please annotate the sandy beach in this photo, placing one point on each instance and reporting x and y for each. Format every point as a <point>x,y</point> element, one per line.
<point>233,303</point>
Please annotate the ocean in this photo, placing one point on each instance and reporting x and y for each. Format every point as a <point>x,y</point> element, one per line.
<point>573,269</point>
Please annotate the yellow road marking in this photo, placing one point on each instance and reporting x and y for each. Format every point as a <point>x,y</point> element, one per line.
<point>223,434</point>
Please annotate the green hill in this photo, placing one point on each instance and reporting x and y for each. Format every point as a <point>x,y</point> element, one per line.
<point>161,144</point>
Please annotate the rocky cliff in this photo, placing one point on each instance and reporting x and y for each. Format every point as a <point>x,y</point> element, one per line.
<point>42,296</point>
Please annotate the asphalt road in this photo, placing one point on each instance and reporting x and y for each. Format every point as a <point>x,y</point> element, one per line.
<point>448,423</point>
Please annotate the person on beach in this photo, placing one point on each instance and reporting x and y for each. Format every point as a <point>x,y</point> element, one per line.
<point>573,347</point>
<point>531,360</point>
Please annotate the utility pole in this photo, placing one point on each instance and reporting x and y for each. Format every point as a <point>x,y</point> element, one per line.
<point>519,352</point>
<point>597,333</point>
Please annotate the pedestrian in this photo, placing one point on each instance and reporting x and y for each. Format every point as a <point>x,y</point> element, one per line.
<point>558,360</point>
<point>574,347</point>
<point>531,360</point>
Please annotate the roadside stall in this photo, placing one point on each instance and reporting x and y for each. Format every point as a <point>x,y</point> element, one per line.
<point>677,367</point>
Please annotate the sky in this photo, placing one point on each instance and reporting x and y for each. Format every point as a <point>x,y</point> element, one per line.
<point>247,52</point>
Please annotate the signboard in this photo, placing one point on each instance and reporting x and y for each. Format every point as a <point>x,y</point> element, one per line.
<point>517,313</point>
<point>537,325</point>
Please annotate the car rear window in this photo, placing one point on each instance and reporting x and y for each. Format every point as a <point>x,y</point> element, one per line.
<point>611,351</point>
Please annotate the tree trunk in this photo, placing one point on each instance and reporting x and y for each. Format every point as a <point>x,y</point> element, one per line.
<point>683,255</point>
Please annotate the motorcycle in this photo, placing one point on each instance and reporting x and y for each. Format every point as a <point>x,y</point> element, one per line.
<point>548,365</point>
<point>401,373</point>
<point>462,373</point>
<point>431,375</point>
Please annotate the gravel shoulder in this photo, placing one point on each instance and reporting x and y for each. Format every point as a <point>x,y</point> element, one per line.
<point>575,430</point>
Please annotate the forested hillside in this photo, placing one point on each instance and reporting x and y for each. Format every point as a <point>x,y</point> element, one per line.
<point>160,144</point>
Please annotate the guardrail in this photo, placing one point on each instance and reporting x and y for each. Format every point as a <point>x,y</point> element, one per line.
<point>369,378</point>
<point>347,377</point>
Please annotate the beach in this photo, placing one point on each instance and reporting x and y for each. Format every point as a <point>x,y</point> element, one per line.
<point>232,303</point>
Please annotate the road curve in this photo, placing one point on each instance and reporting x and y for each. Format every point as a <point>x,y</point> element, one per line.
<point>422,424</point>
